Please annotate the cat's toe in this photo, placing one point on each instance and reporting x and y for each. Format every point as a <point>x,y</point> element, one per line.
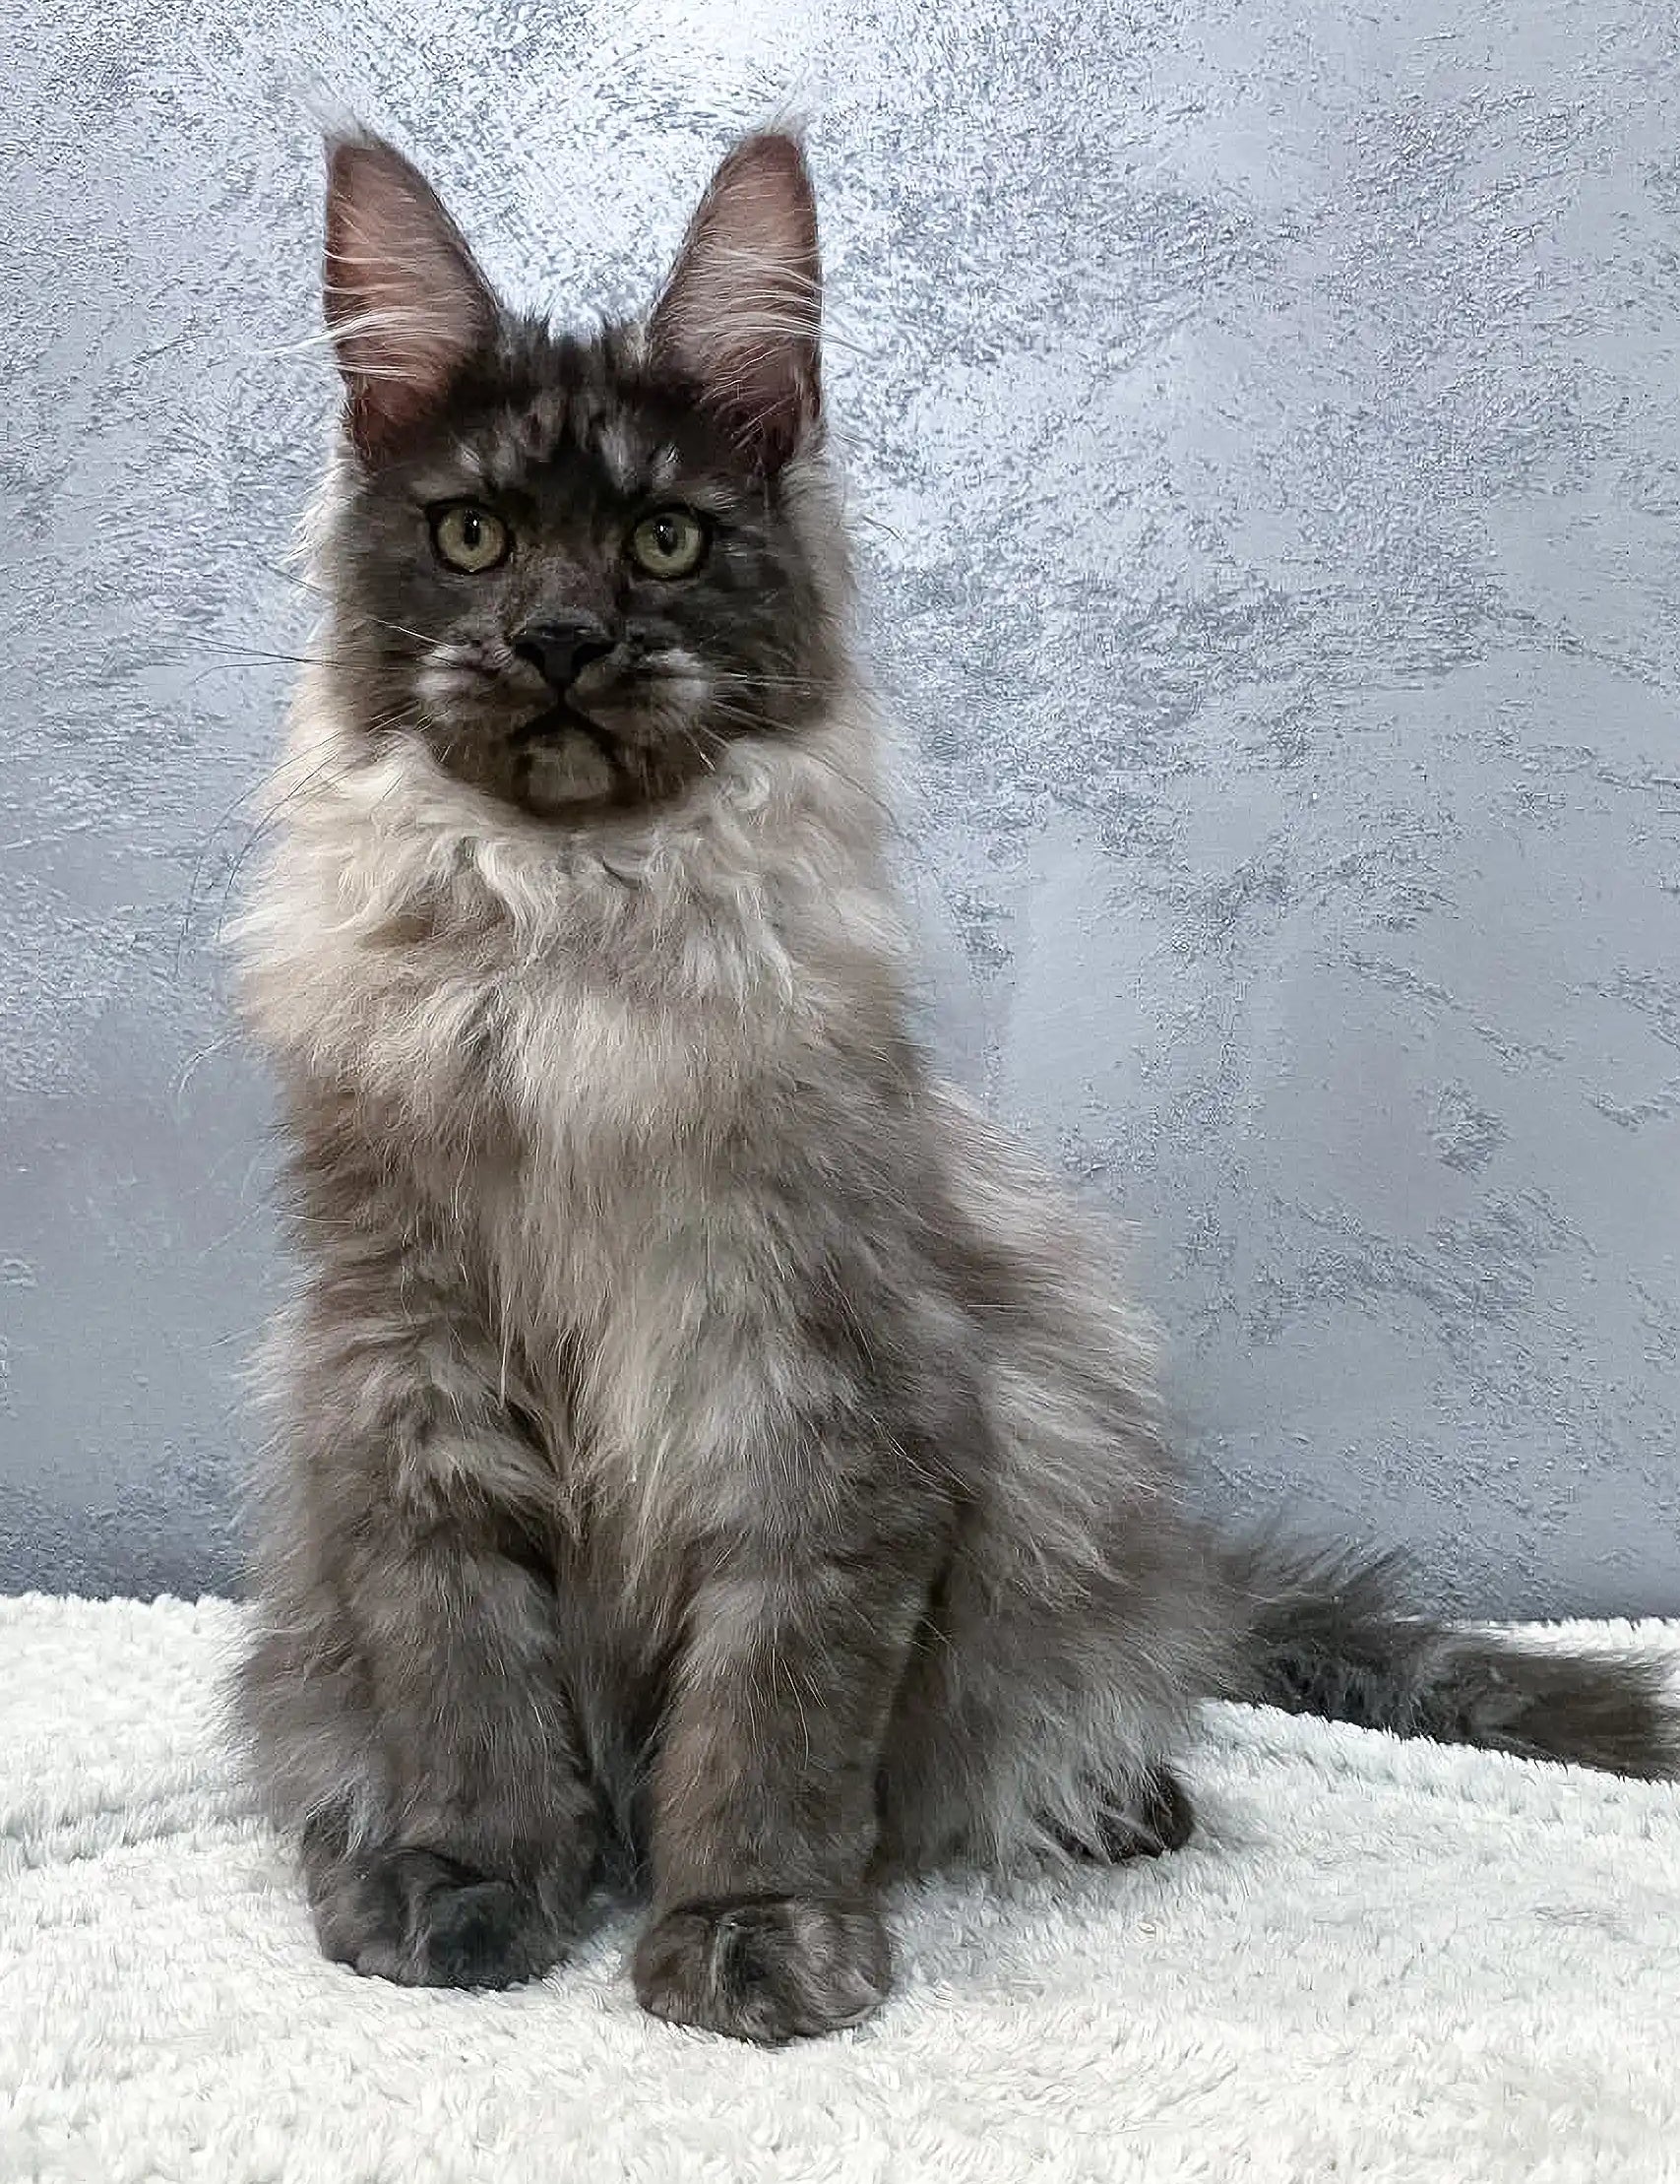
<point>765,1968</point>
<point>483,1934</point>
<point>1154,1815</point>
<point>1166,1819</point>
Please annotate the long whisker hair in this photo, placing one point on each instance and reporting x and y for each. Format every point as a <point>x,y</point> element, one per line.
<point>270,801</point>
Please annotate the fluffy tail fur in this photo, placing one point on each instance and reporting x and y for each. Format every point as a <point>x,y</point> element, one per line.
<point>1331,1634</point>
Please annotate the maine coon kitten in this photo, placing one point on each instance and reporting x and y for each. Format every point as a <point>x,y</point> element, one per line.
<point>705,1443</point>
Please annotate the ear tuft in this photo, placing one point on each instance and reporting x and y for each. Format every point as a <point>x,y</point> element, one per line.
<point>406,304</point>
<point>740,318</point>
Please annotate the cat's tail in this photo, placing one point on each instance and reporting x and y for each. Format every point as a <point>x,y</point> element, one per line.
<point>1333,1634</point>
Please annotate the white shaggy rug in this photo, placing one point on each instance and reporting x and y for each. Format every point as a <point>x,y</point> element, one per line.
<point>1381,1961</point>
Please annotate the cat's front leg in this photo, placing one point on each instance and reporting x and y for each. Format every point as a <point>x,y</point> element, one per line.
<point>763,1820</point>
<point>476,1872</point>
<point>408,1695</point>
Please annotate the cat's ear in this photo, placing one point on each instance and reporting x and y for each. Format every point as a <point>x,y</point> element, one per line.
<point>740,318</point>
<point>406,304</point>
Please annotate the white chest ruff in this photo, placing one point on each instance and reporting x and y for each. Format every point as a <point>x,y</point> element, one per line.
<point>621,1012</point>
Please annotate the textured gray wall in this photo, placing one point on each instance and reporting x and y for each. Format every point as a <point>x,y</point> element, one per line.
<point>1265,445</point>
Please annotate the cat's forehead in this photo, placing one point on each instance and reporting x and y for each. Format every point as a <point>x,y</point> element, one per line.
<point>567,417</point>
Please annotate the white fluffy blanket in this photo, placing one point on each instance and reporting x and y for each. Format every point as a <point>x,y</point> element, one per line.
<point>1378,1960</point>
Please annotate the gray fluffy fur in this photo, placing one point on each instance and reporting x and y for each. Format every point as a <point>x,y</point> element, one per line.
<point>706,1448</point>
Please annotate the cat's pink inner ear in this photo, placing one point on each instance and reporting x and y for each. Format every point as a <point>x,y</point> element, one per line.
<point>740,318</point>
<point>406,304</point>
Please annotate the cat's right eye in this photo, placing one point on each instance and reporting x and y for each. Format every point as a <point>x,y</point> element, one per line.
<point>670,543</point>
<point>468,537</point>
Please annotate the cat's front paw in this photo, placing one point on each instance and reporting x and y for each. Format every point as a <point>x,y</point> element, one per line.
<point>766,1967</point>
<point>428,1921</point>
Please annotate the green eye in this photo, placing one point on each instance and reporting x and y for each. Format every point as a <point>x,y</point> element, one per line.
<point>468,537</point>
<point>670,543</point>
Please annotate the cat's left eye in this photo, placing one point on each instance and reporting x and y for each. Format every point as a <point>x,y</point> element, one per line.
<point>468,537</point>
<point>670,543</point>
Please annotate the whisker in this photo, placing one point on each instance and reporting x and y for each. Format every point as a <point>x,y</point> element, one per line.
<point>700,752</point>
<point>352,761</point>
<point>316,766</point>
<point>734,677</point>
<point>362,614</point>
<point>756,722</point>
<point>401,629</point>
<point>296,576</point>
<point>221,821</point>
<point>862,789</point>
<point>241,654</point>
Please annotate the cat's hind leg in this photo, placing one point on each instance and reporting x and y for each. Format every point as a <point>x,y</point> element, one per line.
<point>1151,1816</point>
<point>1043,1718</point>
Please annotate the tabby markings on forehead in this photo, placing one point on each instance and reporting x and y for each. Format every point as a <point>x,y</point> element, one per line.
<point>616,446</point>
<point>538,433</point>
<point>713,496</point>
<point>453,475</point>
<point>666,468</point>
<point>523,442</point>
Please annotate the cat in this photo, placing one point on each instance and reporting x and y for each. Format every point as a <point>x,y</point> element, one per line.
<point>710,1457</point>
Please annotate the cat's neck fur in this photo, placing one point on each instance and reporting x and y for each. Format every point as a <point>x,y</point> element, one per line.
<point>398,897</point>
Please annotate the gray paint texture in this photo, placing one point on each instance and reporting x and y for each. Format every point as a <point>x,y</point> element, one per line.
<point>1263,427</point>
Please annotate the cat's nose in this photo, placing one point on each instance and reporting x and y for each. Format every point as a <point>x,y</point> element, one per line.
<point>561,649</point>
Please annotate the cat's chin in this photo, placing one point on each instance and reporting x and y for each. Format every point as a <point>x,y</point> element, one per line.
<point>563,770</point>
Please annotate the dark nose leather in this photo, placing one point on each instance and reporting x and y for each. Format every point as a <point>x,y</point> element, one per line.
<point>561,649</point>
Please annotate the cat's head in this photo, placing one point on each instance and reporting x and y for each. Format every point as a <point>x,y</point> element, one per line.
<point>578,566</point>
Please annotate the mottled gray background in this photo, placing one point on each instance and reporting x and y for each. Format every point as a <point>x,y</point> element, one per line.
<point>1263,438</point>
